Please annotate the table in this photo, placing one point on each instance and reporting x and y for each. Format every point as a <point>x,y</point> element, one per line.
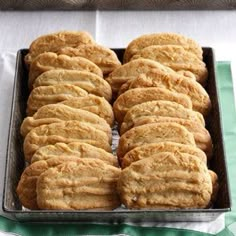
<point>114,29</point>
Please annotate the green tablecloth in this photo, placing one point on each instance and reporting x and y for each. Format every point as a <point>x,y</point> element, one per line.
<point>225,87</point>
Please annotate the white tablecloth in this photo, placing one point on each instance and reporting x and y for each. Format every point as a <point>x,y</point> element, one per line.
<point>112,29</point>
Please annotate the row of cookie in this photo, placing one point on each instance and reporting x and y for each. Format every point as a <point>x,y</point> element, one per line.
<point>67,122</point>
<point>161,153</point>
<point>159,96</point>
<point>64,64</point>
<point>73,44</point>
<point>176,51</point>
<point>186,123</point>
<point>70,116</point>
<point>57,85</point>
<point>48,61</point>
<point>63,70</point>
<point>59,133</point>
<point>144,80</point>
<point>52,182</point>
<point>85,63</point>
<point>164,145</point>
<point>56,78</point>
<point>165,52</point>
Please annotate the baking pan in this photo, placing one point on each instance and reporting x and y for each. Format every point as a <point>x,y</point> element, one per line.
<point>15,165</point>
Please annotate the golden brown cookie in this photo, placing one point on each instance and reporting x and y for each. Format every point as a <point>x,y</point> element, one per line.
<point>51,61</point>
<point>54,113</point>
<point>187,74</point>
<point>215,186</point>
<point>161,39</point>
<point>52,94</point>
<point>85,184</point>
<point>125,87</point>
<point>177,58</point>
<point>78,149</point>
<point>53,42</point>
<point>201,135</point>
<point>131,70</point>
<point>166,181</point>
<point>184,74</point>
<point>152,149</point>
<point>103,57</point>
<point>86,80</point>
<point>177,83</point>
<point>157,109</point>
<point>153,133</point>
<point>140,95</point>
<point>65,132</point>
<point>26,188</point>
<point>94,104</point>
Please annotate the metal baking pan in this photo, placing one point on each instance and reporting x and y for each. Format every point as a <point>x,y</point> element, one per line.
<point>15,165</point>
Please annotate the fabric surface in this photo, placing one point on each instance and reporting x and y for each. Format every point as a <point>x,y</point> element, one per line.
<point>210,228</point>
<point>229,130</point>
<point>116,4</point>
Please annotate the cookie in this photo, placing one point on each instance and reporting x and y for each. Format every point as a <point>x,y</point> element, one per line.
<point>152,149</point>
<point>53,42</point>
<point>215,186</point>
<point>125,87</point>
<point>140,95</point>
<point>26,188</point>
<point>54,113</point>
<point>85,184</point>
<point>184,74</point>
<point>187,74</point>
<point>162,39</point>
<point>131,70</point>
<point>52,94</point>
<point>78,149</point>
<point>166,181</point>
<point>65,132</point>
<point>94,104</point>
<point>201,135</point>
<point>176,83</point>
<point>51,61</point>
<point>177,58</point>
<point>157,109</point>
<point>88,81</point>
<point>103,57</point>
<point>153,133</point>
